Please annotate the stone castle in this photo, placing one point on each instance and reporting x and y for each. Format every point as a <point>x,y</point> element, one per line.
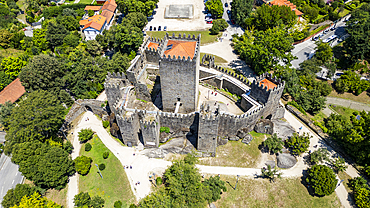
<point>161,88</point>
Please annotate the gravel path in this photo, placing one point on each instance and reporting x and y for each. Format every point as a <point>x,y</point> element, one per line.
<point>348,103</point>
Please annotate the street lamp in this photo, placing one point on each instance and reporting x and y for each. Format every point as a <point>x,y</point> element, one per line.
<point>99,170</point>
<point>236,181</point>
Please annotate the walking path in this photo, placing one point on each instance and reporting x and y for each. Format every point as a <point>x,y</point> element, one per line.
<point>348,103</point>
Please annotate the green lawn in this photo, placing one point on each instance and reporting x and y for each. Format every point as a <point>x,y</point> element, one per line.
<point>206,37</point>
<point>319,117</point>
<point>218,60</point>
<point>347,112</point>
<point>114,185</point>
<point>285,192</point>
<point>236,153</point>
<point>85,1</point>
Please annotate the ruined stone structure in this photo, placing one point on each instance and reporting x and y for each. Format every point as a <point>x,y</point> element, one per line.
<point>161,89</point>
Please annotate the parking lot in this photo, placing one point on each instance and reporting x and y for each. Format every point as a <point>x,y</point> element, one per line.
<point>196,23</point>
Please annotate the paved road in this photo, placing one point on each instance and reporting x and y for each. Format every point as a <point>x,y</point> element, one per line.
<point>232,29</point>
<point>302,50</point>
<point>9,175</point>
<point>348,103</point>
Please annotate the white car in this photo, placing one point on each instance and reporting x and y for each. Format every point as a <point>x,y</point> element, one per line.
<point>327,40</point>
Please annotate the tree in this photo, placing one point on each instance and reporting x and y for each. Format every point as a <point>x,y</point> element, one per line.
<point>14,196</point>
<point>97,202</point>
<point>70,23</point>
<point>274,144</point>
<point>13,65</point>
<point>117,204</point>
<point>264,50</point>
<point>55,34</point>
<point>90,13</point>
<point>299,143</point>
<point>362,198</point>
<point>36,200</point>
<point>357,45</point>
<point>215,7</point>
<point>323,51</point>
<point>105,155</point>
<point>319,155</point>
<point>5,38</point>
<point>128,38</point>
<point>218,25</point>
<point>39,39</point>
<point>267,17</point>
<point>93,47</point>
<point>339,164</point>
<point>137,19</point>
<point>310,12</point>
<point>82,199</point>
<point>270,173</point>
<point>47,166</point>
<point>83,164</point>
<point>43,72</point>
<point>85,135</point>
<point>38,118</point>
<point>68,147</point>
<point>322,179</point>
<point>88,147</point>
<point>241,10</point>
<point>216,186</point>
<point>350,81</point>
<point>5,113</point>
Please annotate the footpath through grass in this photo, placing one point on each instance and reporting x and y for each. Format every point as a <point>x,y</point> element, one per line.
<point>114,185</point>
<point>206,37</point>
<point>236,153</point>
<point>285,192</point>
<point>364,97</point>
<point>346,112</point>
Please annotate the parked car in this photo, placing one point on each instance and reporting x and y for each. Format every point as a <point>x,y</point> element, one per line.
<point>232,22</point>
<point>312,53</point>
<point>150,28</point>
<point>208,15</point>
<point>209,22</point>
<point>228,11</point>
<point>325,31</point>
<point>154,29</point>
<point>315,38</point>
<point>333,28</point>
<point>165,28</point>
<point>159,28</point>
<point>226,4</point>
<point>208,19</point>
<point>320,35</point>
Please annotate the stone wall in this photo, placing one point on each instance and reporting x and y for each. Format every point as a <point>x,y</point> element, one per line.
<point>207,134</point>
<point>232,88</point>
<point>142,92</point>
<point>177,122</point>
<point>129,128</point>
<point>81,106</point>
<point>150,133</point>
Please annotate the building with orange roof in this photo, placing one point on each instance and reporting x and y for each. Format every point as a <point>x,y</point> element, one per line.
<point>92,26</point>
<point>180,48</point>
<point>286,3</point>
<point>267,83</point>
<point>12,92</point>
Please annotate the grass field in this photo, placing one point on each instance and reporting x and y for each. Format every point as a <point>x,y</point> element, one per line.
<point>206,37</point>
<point>364,97</point>
<point>114,185</point>
<point>236,153</point>
<point>218,60</point>
<point>319,117</point>
<point>347,112</point>
<point>85,1</point>
<point>59,197</point>
<point>286,192</point>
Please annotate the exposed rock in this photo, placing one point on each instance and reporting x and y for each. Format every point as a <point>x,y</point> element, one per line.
<point>179,145</point>
<point>247,139</point>
<point>285,160</point>
<point>104,117</point>
<point>283,129</point>
<point>234,138</point>
<point>163,137</point>
<point>221,141</point>
<point>264,126</point>
<point>211,205</point>
<point>270,163</point>
<point>155,153</point>
<point>241,133</point>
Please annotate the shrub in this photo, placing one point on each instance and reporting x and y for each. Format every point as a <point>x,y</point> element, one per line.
<point>83,164</point>
<point>88,147</point>
<point>164,129</point>
<point>295,104</point>
<point>158,181</point>
<point>117,204</point>
<point>322,179</point>
<point>105,124</point>
<point>101,166</point>
<point>105,155</point>
<point>324,129</point>
<point>85,135</point>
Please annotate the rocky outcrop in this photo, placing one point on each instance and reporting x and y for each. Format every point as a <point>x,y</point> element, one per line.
<point>264,126</point>
<point>247,139</point>
<point>285,160</point>
<point>221,141</point>
<point>155,153</point>
<point>270,163</point>
<point>283,129</point>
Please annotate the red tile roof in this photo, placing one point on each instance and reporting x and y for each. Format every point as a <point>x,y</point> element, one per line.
<point>94,8</point>
<point>12,92</point>
<point>270,85</point>
<point>153,45</point>
<point>95,22</point>
<point>109,5</point>
<point>180,48</point>
<point>107,14</point>
<point>288,4</point>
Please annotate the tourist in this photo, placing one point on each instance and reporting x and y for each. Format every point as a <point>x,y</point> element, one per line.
<point>130,167</point>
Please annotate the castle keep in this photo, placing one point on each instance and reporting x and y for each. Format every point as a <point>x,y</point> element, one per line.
<point>162,88</point>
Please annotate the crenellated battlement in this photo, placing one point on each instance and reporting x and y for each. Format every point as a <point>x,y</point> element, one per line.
<point>116,75</point>
<point>183,37</point>
<point>177,59</point>
<point>148,124</point>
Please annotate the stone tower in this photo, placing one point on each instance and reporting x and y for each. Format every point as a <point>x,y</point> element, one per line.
<point>179,73</point>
